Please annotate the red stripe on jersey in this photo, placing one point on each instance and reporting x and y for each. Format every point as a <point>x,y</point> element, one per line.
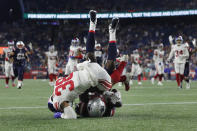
<point>92,31</point>
<point>107,85</point>
<point>56,105</point>
<point>112,41</point>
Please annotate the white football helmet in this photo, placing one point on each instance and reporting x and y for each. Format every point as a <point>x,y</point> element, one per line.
<point>98,46</point>
<point>96,107</point>
<point>10,44</point>
<point>52,48</point>
<point>161,46</point>
<point>20,45</point>
<point>75,42</point>
<point>135,51</point>
<point>179,40</point>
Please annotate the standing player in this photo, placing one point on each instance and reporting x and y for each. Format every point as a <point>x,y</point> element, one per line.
<point>159,65</point>
<point>20,56</point>
<point>187,64</point>
<point>180,52</point>
<point>9,72</point>
<point>74,56</point>
<point>98,53</point>
<point>52,61</point>
<point>136,69</point>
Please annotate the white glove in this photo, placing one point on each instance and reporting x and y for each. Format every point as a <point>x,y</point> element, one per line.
<point>194,42</point>
<point>30,46</point>
<point>124,58</point>
<point>170,39</point>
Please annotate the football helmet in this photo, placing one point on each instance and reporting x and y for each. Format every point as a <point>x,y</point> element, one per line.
<point>20,45</point>
<point>179,40</point>
<point>52,48</point>
<point>161,46</point>
<point>50,105</point>
<point>75,41</point>
<point>96,107</point>
<point>10,44</point>
<point>98,46</point>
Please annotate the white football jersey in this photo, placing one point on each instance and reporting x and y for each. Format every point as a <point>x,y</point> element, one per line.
<point>98,53</point>
<point>52,56</point>
<point>74,50</point>
<point>7,52</point>
<point>158,56</point>
<point>88,75</point>
<point>180,53</point>
<point>136,58</point>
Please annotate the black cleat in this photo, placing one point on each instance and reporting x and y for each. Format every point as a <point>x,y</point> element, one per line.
<point>92,15</point>
<point>114,23</point>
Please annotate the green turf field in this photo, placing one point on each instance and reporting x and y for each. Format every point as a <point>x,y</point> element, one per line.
<point>147,108</point>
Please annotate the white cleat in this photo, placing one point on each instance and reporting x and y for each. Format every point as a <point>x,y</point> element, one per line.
<point>6,86</point>
<point>153,81</point>
<point>19,85</point>
<point>160,83</point>
<point>140,83</point>
<point>120,84</point>
<point>51,83</point>
<point>130,82</point>
<point>188,85</point>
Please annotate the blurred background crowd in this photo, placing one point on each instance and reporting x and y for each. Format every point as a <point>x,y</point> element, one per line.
<point>143,34</point>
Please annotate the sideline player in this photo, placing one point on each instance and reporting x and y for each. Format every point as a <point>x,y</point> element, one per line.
<point>187,64</point>
<point>159,65</point>
<point>9,72</point>
<point>20,56</point>
<point>136,70</point>
<point>52,62</point>
<point>180,52</point>
<point>98,53</point>
<point>75,54</point>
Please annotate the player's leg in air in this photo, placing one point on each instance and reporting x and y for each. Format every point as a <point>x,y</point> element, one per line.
<point>116,73</point>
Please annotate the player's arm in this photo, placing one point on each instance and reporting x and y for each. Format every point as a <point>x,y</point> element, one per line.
<point>46,59</point>
<point>195,46</point>
<point>171,55</point>
<point>171,40</point>
<point>155,55</point>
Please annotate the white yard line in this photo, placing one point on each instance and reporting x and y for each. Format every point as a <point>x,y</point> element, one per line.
<point>142,104</point>
<point>167,103</point>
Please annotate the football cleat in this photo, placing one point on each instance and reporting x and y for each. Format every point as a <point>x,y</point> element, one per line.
<point>6,86</point>
<point>130,82</point>
<point>188,85</point>
<point>160,83</point>
<point>93,16</point>
<point>140,83</point>
<point>114,23</point>
<point>153,81</point>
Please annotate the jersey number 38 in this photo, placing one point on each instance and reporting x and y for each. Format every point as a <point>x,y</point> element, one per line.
<point>63,83</point>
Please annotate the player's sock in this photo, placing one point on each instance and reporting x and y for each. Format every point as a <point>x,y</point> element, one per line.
<point>182,77</point>
<point>139,78</point>
<point>187,80</point>
<point>91,40</point>
<point>13,84</point>
<point>160,77</point>
<point>69,113</point>
<point>7,80</point>
<point>112,49</point>
<point>54,77</point>
<point>155,77</point>
<point>115,76</point>
<point>178,79</point>
<point>51,77</point>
